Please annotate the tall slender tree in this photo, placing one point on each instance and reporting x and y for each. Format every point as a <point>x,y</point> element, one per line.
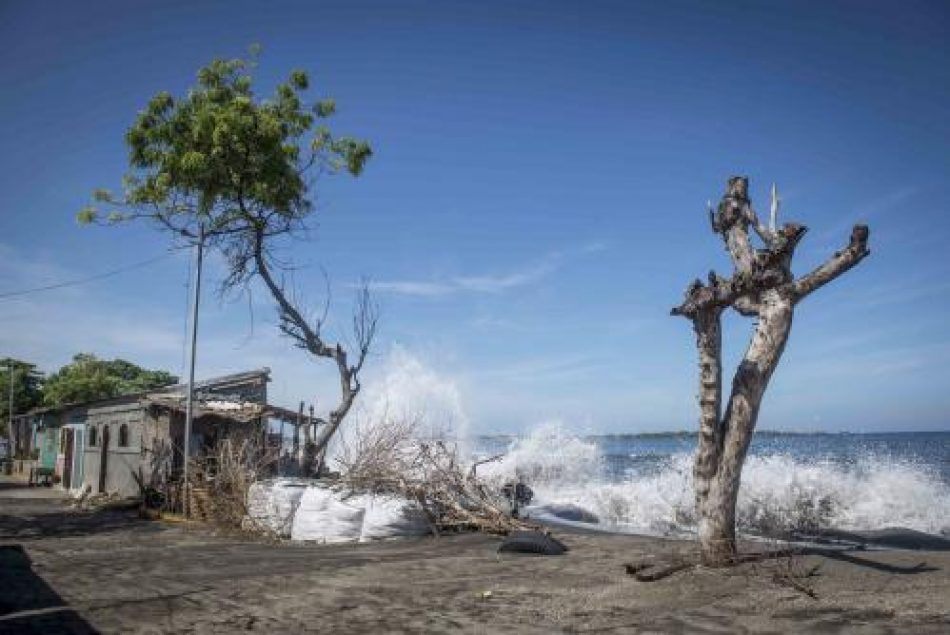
<point>762,286</point>
<point>27,389</point>
<point>242,169</point>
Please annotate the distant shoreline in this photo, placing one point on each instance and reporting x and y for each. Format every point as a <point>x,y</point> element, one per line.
<point>692,433</point>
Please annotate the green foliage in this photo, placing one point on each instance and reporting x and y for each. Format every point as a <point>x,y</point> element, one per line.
<point>87,215</point>
<point>325,107</point>
<point>27,388</point>
<point>222,157</point>
<point>88,378</point>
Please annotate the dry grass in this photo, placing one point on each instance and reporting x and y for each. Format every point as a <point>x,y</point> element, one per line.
<point>219,483</point>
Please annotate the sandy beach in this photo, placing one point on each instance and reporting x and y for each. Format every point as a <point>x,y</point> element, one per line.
<point>64,571</point>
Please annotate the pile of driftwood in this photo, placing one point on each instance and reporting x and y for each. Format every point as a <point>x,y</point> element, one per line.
<point>388,458</point>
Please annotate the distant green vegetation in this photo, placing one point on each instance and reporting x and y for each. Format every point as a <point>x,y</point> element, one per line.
<point>86,378</point>
<point>89,378</point>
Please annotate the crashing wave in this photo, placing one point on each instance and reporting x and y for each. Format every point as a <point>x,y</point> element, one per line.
<point>779,494</point>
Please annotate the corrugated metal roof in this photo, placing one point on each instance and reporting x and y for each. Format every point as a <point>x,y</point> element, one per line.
<point>222,382</point>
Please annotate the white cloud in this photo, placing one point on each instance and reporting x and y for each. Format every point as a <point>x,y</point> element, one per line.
<point>495,284</point>
<point>488,283</point>
<point>412,287</point>
<point>544,369</point>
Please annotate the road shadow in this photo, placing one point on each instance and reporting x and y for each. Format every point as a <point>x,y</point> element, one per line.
<point>843,556</point>
<point>28,604</point>
<point>29,524</point>
<point>654,570</point>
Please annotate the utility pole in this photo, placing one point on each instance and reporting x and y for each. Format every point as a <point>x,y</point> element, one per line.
<point>189,405</point>
<point>313,428</point>
<point>280,449</point>
<point>10,413</point>
<point>296,450</point>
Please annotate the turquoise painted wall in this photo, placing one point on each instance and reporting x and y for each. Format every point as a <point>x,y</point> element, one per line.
<point>49,446</point>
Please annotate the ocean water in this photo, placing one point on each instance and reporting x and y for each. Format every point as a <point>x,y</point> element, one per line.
<point>790,482</point>
<point>643,483</point>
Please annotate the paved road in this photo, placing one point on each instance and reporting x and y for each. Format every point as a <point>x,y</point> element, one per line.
<point>15,487</point>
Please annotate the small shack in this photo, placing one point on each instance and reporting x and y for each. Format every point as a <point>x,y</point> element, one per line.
<point>113,445</point>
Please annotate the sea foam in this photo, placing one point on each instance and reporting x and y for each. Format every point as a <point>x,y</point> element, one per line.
<point>779,492</point>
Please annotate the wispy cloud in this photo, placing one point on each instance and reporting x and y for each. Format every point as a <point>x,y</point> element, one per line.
<point>839,230</point>
<point>413,287</point>
<point>511,280</point>
<point>527,275</point>
<point>470,284</point>
<point>544,369</point>
<point>895,361</point>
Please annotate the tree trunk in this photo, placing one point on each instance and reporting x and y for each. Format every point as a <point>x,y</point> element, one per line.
<point>308,337</point>
<point>762,286</point>
<point>717,485</point>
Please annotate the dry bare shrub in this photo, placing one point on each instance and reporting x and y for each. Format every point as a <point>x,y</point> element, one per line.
<point>387,457</point>
<point>219,482</point>
<point>378,453</point>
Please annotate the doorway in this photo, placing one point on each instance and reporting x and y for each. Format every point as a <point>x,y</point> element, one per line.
<point>68,451</point>
<point>104,459</point>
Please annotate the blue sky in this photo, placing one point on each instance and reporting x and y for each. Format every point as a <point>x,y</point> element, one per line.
<point>536,203</point>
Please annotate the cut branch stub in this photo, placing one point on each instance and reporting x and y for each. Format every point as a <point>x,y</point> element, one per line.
<point>714,296</point>
<point>733,206</point>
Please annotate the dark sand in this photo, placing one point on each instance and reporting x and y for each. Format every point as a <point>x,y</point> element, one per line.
<point>63,571</point>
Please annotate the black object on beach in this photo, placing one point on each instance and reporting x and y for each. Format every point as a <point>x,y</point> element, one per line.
<point>534,542</point>
<point>518,494</point>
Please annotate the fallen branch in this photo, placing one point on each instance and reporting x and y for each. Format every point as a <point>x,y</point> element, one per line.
<point>644,572</point>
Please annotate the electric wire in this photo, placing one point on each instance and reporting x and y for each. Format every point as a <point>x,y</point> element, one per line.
<point>78,281</point>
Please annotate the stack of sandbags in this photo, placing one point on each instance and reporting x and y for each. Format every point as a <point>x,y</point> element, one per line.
<point>273,504</point>
<point>330,516</point>
<point>392,517</point>
<point>327,516</point>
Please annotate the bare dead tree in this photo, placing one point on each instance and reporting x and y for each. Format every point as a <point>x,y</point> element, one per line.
<point>308,335</point>
<point>762,286</point>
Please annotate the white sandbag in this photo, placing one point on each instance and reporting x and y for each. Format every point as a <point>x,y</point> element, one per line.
<point>272,504</point>
<point>324,516</point>
<point>391,517</point>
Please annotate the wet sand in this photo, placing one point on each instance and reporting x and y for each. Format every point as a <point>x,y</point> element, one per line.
<point>111,572</point>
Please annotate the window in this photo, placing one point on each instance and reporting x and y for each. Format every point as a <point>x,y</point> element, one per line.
<point>124,435</point>
<point>93,434</point>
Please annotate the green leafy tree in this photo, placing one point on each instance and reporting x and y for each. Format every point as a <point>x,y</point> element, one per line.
<point>89,378</point>
<point>27,388</point>
<point>223,165</point>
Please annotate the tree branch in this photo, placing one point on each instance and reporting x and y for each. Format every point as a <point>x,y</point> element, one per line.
<point>707,326</point>
<point>717,295</point>
<point>294,325</point>
<point>842,261</point>
<point>732,219</point>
